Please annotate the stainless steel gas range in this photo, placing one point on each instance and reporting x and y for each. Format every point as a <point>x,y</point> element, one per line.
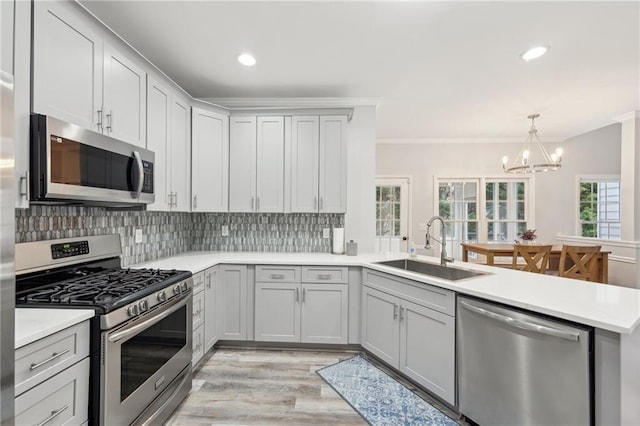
<point>141,334</point>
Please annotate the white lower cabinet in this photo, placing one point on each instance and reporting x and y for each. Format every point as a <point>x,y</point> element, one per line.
<point>287,310</point>
<point>231,302</point>
<point>52,379</point>
<point>210,322</point>
<point>205,324</point>
<point>418,341</point>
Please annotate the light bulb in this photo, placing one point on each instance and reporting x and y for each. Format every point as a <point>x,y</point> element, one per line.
<point>505,160</point>
<point>559,152</point>
<point>525,154</point>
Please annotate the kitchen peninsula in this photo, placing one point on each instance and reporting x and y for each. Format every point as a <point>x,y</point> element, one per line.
<point>613,311</point>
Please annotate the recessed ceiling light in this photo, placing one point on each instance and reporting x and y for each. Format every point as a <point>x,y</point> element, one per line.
<point>534,52</point>
<point>247,60</point>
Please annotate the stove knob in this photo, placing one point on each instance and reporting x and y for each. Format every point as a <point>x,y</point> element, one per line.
<point>143,305</point>
<point>132,310</point>
<point>162,296</point>
<point>184,286</point>
<point>176,289</point>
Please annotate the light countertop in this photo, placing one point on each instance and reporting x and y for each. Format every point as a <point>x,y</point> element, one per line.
<point>603,306</point>
<point>32,324</point>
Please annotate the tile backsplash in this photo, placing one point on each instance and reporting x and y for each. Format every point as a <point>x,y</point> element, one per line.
<point>168,234</point>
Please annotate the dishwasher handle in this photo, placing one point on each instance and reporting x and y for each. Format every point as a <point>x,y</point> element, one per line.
<point>524,325</point>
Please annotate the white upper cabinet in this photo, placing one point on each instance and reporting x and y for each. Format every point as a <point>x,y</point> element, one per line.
<point>256,164</point>
<point>124,104</point>
<point>319,164</point>
<point>180,150</point>
<point>67,66</point>
<point>242,164</point>
<point>210,161</point>
<point>305,142</point>
<point>333,164</point>
<point>158,123</point>
<point>79,78</point>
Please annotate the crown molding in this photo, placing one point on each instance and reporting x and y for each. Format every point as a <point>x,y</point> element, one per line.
<point>627,116</point>
<point>282,103</point>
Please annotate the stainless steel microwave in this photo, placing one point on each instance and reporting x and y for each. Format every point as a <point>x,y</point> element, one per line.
<point>73,165</point>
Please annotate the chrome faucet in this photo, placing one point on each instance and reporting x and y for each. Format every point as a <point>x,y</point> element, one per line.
<point>443,254</point>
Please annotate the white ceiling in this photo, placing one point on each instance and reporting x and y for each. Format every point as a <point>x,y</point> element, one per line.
<point>439,69</point>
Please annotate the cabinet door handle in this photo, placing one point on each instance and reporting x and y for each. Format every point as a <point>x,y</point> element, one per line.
<point>53,415</point>
<point>315,203</point>
<point>304,294</point>
<point>208,277</point>
<point>321,203</point>
<point>402,313</point>
<point>277,276</point>
<point>109,122</point>
<point>99,123</point>
<point>175,201</point>
<point>51,358</point>
<point>324,276</point>
<point>195,201</point>
<point>257,204</point>
<point>297,294</point>
<point>252,204</point>
<point>395,311</point>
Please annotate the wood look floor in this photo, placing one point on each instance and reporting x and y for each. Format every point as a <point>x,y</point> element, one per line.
<point>274,387</point>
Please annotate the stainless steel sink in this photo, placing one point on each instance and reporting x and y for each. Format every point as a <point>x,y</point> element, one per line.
<point>432,269</point>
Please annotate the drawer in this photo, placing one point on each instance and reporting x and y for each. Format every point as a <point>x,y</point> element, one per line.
<point>198,282</point>
<point>62,399</point>
<point>197,345</point>
<point>198,310</point>
<point>277,273</point>
<point>426,295</point>
<point>325,274</point>
<point>43,358</point>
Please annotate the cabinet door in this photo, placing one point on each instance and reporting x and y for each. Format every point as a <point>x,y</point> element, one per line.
<point>210,323</point>
<point>333,164</point>
<point>232,302</point>
<point>277,312</point>
<point>210,161</point>
<point>198,310</point>
<point>380,327</point>
<point>67,65</point>
<point>325,313</point>
<point>427,349</point>
<point>304,164</point>
<point>242,164</point>
<point>158,131</point>
<point>270,165</point>
<point>180,149</point>
<point>124,98</point>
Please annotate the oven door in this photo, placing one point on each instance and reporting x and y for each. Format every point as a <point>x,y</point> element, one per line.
<point>142,358</point>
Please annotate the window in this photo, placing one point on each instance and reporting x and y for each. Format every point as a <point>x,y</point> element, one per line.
<point>505,208</point>
<point>503,201</point>
<point>387,211</point>
<point>599,207</point>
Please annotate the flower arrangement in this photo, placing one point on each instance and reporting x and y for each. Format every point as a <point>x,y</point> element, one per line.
<point>528,235</point>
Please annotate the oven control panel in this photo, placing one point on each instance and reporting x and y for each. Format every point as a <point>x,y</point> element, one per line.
<point>75,248</point>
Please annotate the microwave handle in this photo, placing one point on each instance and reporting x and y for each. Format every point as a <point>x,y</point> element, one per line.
<point>136,155</point>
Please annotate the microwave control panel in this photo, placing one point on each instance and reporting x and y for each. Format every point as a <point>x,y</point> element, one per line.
<point>147,184</point>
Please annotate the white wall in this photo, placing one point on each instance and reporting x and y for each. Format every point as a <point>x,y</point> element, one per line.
<point>593,153</point>
<point>361,152</point>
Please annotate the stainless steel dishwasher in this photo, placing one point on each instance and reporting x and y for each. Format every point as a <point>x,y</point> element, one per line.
<point>516,368</point>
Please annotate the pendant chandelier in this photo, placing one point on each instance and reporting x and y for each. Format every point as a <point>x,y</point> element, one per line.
<point>533,158</point>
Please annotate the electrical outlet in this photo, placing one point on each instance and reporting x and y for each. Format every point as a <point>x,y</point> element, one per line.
<point>225,230</point>
<point>138,235</point>
<point>326,233</point>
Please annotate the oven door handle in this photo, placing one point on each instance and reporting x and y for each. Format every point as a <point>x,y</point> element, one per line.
<point>134,329</point>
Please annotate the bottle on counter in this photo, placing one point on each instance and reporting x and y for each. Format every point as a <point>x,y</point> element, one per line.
<point>413,253</point>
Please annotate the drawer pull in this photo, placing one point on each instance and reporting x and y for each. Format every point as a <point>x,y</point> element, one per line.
<point>277,276</point>
<point>324,276</point>
<point>51,358</point>
<point>197,348</point>
<point>53,415</point>
<point>196,313</point>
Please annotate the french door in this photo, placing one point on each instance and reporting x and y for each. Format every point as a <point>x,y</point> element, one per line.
<point>392,215</point>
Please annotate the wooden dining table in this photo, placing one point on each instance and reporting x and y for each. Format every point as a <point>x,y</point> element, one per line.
<point>493,251</point>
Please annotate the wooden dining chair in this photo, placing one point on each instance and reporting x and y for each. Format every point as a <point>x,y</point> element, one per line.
<point>579,262</point>
<point>536,257</point>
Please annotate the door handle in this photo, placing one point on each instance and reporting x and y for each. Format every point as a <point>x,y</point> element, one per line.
<point>195,201</point>
<point>297,294</point>
<point>109,120</point>
<point>402,313</point>
<point>521,324</point>
<point>175,200</point>
<point>51,358</point>
<point>304,294</point>
<point>252,204</point>
<point>321,203</point>
<point>395,310</point>
<point>99,123</point>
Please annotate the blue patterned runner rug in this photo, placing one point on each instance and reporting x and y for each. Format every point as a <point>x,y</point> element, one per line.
<point>378,398</point>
